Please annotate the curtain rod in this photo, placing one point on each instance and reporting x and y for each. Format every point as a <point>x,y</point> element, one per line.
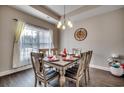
<point>32,24</point>
<point>15,19</point>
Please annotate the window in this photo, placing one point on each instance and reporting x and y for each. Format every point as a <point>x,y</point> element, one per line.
<point>31,39</point>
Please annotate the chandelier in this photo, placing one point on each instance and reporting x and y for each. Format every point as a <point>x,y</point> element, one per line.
<point>64,22</point>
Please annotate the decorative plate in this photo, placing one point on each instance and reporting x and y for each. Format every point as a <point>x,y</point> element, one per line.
<point>80,34</point>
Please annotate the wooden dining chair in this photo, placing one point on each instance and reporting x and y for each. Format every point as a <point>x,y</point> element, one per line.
<point>76,75</point>
<point>54,50</point>
<point>86,71</point>
<point>89,56</point>
<point>45,51</point>
<point>41,74</point>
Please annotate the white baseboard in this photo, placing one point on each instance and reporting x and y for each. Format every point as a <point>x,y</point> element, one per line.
<point>99,67</point>
<point>15,70</point>
<point>30,66</point>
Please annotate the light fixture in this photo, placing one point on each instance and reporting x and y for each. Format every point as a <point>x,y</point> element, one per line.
<point>64,22</point>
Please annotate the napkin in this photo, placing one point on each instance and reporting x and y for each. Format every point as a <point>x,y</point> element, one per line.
<point>68,57</point>
<point>54,58</point>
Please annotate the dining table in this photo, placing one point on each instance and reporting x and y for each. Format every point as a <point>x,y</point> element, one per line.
<point>61,64</point>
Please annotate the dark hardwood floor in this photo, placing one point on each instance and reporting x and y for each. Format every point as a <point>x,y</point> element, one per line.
<point>99,78</point>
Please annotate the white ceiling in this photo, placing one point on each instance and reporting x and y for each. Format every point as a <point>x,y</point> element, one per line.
<point>34,12</point>
<point>99,10</point>
<point>59,9</point>
<point>81,12</point>
<point>74,12</point>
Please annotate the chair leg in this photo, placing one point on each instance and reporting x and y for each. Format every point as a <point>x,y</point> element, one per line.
<point>39,82</point>
<point>77,83</point>
<point>85,78</point>
<point>35,82</point>
<point>88,74</point>
<point>45,84</point>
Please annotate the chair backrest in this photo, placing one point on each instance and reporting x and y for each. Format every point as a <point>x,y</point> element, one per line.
<point>82,64</point>
<point>54,50</point>
<point>76,50</point>
<point>37,63</point>
<point>89,56</point>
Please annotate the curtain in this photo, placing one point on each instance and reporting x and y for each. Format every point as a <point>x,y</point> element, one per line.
<point>16,50</point>
<point>30,38</point>
<point>19,29</point>
<point>51,39</point>
<point>51,45</point>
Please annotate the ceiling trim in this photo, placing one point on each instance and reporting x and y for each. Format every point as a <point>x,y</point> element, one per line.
<point>47,11</point>
<point>81,10</point>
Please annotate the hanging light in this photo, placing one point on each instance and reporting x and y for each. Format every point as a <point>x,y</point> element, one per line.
<point>59,24</point>
<point>69,23</point>
<point>63,27</point>
<point>64,23</point>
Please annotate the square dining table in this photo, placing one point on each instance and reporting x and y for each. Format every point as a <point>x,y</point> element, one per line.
<point>61,65</point>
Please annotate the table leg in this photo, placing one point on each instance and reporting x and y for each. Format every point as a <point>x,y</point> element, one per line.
<point>62,78</point>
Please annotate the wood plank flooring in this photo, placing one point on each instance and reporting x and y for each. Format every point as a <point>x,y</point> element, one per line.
<point>99,78</point>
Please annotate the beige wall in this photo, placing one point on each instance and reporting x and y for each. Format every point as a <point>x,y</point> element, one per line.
<point>105,36</point>
<point>7,33</point>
